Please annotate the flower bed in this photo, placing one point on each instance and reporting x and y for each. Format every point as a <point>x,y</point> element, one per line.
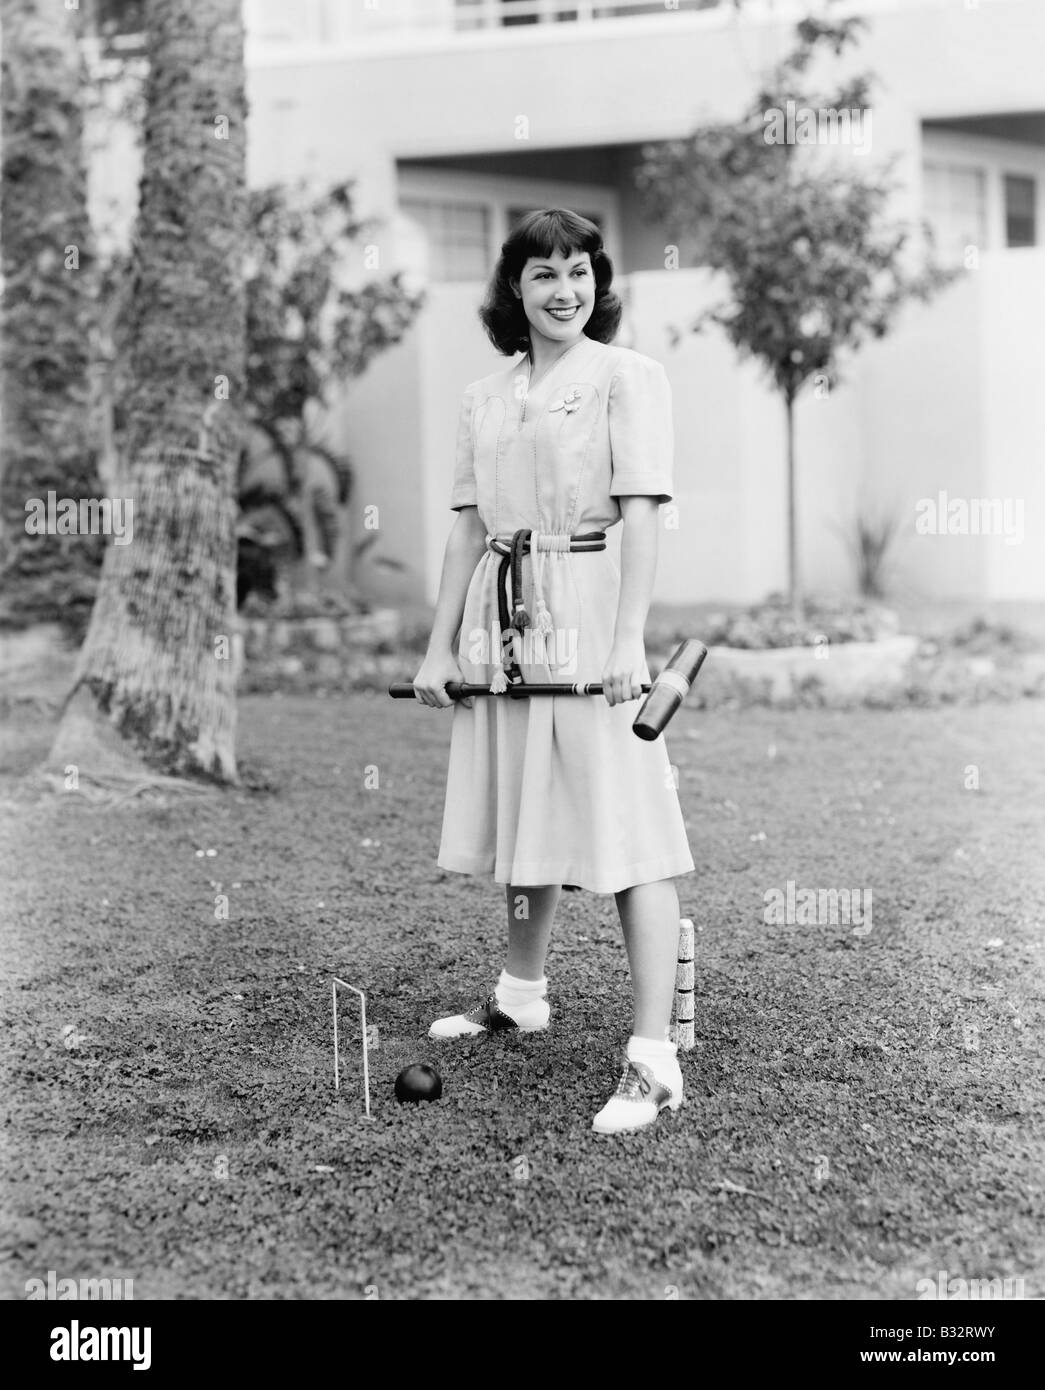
<point>845,657</point>
<point>775,624</point>
<point>833,653</point>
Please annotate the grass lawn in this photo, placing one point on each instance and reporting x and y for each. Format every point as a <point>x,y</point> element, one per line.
<point>861,1113</point>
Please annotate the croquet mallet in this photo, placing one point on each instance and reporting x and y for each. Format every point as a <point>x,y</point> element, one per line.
<point>663,697</point>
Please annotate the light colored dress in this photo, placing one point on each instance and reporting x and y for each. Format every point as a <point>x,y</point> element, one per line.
<point>557,789</point>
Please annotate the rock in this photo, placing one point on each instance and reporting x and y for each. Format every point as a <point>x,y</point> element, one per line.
<point>846,672</point>
<point>29,647</point>
<point>322,634</point>
<point>382,625</point>
<point>36,660</point>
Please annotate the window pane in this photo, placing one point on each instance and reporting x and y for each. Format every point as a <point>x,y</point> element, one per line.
<point>458,236</point>
<point>956,206</point>
<point>507,17</point>
<point>1020,196</point>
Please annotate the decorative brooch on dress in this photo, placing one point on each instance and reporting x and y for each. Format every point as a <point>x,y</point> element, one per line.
<point>569,402</point>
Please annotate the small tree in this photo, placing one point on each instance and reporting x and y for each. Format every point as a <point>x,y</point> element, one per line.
<point>813,265</point>
<point>318,312</point>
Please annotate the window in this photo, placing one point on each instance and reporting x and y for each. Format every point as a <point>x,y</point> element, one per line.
<point>458,237</point>
<point>1020,195</point>
<point>267,21</point>
<point>956,206</point>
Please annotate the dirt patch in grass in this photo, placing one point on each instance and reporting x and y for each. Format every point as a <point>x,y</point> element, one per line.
<point>862,1112</point>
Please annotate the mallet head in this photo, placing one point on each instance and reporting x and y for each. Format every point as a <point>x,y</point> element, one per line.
<point>669,689</point>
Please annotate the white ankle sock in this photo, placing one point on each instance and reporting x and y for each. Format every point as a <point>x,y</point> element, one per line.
<point>511,991</point>
<point>651,1051</point>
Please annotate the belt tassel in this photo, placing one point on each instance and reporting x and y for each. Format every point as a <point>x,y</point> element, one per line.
<point>543,626</point>
<point>520,617</point>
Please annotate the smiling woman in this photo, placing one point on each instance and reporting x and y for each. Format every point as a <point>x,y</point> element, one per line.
<point>568,441</point>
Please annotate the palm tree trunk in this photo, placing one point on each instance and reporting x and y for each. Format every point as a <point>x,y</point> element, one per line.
<point>154,684</point>
<point>48,315</point>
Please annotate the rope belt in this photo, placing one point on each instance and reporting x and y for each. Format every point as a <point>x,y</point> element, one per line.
<point>539,543</point>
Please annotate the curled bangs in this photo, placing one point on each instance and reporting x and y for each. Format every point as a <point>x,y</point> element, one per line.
<point>542,234</point>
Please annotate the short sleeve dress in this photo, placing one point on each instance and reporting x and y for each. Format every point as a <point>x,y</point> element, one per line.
<point>557,789</point>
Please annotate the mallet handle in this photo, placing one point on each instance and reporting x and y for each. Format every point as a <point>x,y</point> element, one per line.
<point>463,690</point>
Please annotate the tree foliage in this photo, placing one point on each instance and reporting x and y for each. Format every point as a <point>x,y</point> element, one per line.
<point>813,264</point>
<point>314,317</point>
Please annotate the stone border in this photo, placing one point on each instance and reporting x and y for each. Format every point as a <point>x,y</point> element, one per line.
<point>844,673</point>
<point>267,637</point>
<point>297,653</point>
<point>367,651</point>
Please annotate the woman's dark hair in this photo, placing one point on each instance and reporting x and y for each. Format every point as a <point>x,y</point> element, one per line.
<point>538,235</point>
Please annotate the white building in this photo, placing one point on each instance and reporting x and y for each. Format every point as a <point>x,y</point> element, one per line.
<point>454,116</point>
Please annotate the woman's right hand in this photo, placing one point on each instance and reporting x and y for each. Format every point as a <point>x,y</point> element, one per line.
<point>430,681</point>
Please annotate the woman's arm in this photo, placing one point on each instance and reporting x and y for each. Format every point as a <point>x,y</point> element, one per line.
<point>622,676</point>
<point>464,547</point>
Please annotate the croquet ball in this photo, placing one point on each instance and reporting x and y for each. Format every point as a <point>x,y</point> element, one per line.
<point>418,1082</point>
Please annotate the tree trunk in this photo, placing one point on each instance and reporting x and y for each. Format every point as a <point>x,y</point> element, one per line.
<point>794,579</point>
<point>154,684</point>
<point>48,315</point>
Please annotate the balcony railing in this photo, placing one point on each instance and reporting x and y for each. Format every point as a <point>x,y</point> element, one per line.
<point>503,14</point>
<point>340,23</point>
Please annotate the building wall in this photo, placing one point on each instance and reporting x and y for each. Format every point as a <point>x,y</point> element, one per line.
<point>1012,371</point>
<point>378,423</point>
<point>331,112</point>
<point>953,399</point>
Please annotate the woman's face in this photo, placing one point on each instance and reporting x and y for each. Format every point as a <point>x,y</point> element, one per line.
<point>558,295</point>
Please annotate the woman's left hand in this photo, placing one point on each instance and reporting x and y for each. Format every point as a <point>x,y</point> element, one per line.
<point>622,675</point>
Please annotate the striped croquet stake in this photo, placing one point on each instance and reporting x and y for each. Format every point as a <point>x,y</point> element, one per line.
<point>684,986</point>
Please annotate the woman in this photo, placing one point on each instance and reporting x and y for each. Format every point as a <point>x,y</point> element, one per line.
<point>573,438</point>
